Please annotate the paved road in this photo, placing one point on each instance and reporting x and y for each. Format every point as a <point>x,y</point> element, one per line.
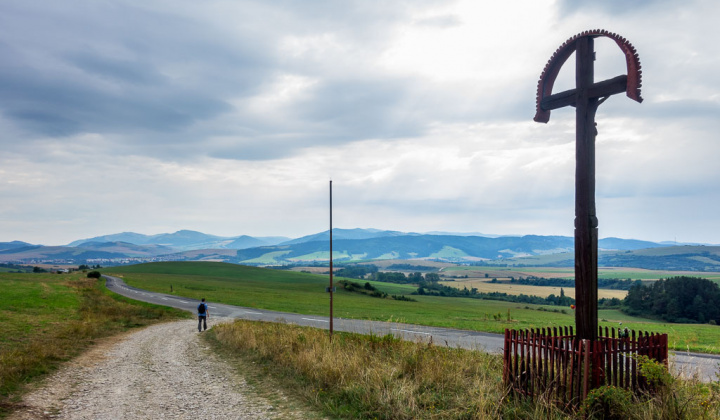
<point>683,363</point>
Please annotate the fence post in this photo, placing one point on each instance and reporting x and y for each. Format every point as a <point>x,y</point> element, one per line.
<point>586,365</point>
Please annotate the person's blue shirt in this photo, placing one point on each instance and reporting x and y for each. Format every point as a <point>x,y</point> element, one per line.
<point>206,308</point>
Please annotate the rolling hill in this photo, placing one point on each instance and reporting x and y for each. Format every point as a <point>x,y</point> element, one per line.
<point>183,240</point>
<point>9,246</point>
<point>350,234</point>
<point>362,244</point>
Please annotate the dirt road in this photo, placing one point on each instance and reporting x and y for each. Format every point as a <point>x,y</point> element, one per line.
<point>163,371</point>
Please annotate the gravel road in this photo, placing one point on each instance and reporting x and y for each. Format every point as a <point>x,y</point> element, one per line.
<point>160,372</point>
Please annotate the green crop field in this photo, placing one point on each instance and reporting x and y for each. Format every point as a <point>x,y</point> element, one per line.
<point>304,293</point>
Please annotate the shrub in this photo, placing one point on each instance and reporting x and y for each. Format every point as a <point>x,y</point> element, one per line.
<point>607,402</point>
<point>94,275</point>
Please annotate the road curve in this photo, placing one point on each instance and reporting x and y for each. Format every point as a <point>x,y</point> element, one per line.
<point>685,364</point>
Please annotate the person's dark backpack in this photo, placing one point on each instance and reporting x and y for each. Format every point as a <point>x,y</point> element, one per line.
<point>201,309</point>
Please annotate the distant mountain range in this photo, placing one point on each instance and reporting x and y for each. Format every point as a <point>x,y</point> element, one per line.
<point>357,245</point>
<point>184,240</point>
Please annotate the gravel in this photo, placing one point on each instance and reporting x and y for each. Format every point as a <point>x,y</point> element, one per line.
<point>160,372</point>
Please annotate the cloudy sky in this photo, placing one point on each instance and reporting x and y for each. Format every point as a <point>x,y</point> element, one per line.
<point>230,117</point>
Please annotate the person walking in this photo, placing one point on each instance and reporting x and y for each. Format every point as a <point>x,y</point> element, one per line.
<point>203,314</point>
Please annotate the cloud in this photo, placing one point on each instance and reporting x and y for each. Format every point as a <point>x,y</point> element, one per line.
<point>230,117</point>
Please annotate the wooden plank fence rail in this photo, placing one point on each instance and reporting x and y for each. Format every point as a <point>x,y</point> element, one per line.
<point>555,363</point>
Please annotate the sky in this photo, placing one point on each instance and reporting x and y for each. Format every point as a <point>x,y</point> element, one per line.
<point>231,118</point>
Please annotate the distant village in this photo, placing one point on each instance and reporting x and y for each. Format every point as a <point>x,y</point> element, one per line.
<point>67,265</point>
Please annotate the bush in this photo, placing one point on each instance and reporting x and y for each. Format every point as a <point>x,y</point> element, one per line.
<point>607,402</point>
<point>94,275</point>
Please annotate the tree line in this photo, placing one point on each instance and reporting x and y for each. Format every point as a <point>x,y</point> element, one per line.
<point>428,284</point>
<point>612,284</point>
<point>677,299</point>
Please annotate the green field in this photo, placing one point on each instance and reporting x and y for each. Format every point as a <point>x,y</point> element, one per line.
<point>49,318</point>
<point>34,303</point>
<point>9,270</point>
<point>304,293</point>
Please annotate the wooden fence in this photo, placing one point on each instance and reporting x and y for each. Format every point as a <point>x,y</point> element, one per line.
<point>555,363</point>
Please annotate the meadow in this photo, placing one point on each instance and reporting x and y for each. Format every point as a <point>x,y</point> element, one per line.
<point>355,376</point>
<point>304,293</point>
<point>49,318</point>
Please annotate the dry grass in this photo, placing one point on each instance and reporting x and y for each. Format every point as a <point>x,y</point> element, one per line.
<point>355,376</point>
<point>371,377</point>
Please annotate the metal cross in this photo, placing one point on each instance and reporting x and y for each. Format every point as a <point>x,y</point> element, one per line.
<point>586,97</point>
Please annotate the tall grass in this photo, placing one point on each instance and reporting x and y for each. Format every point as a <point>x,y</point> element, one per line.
<point>63,318</point>
<point>355,376</point>
<point>372,377</point>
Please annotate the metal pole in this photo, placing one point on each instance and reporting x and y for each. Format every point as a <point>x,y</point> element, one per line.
<point>331,265</point>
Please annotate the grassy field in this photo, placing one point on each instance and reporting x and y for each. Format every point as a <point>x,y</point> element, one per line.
<point>49,318</point>
<point>8,270</point>
<point>305,293</point>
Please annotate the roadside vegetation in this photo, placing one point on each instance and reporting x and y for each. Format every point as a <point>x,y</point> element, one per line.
<point>355,376</point>
<point>49,318</point>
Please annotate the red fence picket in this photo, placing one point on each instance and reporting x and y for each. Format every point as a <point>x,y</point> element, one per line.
<point>556,363</point>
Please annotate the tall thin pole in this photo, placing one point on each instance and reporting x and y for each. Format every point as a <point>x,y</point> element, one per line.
<point>331,265</point>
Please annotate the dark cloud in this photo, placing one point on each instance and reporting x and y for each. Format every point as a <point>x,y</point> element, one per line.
<point>132,72</point>
<point>105,77</point>
<point>120,69</point>
<point>43,122</point>
<point>61,106</point>
<point>156,77</point>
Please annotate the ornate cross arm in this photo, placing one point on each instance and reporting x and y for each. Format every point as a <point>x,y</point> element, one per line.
<point>630,83</point>
<point>597,90</point>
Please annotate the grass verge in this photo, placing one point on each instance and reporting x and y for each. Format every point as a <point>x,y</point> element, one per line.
<point>356,376</point>
<point>371,377</point>
<point>49,318</point>
<point>286,405</point>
